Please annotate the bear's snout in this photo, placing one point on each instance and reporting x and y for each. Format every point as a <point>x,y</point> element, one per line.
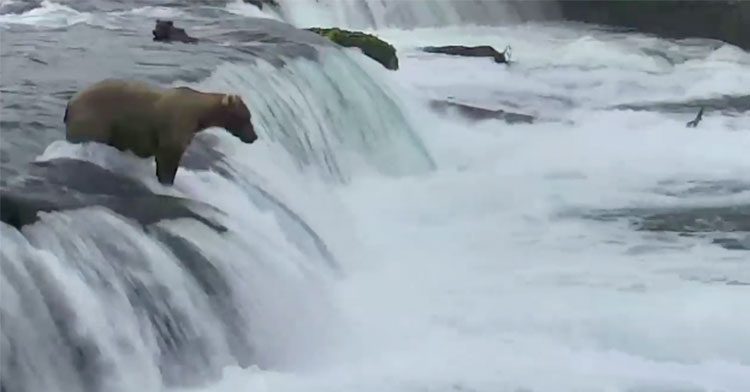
<point>248,135</point>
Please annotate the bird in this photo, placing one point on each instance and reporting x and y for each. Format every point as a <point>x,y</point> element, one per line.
<point>698,118</point>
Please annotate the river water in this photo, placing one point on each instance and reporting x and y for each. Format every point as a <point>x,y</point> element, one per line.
<point>367,242</point>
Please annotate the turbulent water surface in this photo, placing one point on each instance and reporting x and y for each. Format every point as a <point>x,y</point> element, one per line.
<point>368,242</point>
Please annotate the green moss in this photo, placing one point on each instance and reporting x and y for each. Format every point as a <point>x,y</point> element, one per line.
<point>371,46</point>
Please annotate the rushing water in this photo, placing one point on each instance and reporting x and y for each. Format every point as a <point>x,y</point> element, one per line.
<point>366,242</point>
<point>409,14</point>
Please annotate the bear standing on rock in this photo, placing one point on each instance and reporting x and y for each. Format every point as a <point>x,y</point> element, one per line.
<point>152,121</point>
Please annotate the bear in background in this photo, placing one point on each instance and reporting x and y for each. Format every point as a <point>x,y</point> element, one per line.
<point>165,31</point>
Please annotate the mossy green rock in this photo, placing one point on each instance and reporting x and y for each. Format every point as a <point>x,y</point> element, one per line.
<point>371,46</point>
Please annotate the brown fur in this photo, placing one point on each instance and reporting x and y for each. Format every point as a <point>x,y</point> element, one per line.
<point>152,121</point>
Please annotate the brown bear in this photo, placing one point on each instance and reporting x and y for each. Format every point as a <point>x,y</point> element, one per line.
<point>152,121</point>
<point>165,31</point>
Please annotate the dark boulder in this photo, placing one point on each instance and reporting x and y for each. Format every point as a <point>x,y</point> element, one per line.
<point>371,46</point>
<point>478,114</point>
<point>69,184</point>
<point>165,31</point>
<point>724,20</point>
<point>472,51</point>
<point>261,3</point>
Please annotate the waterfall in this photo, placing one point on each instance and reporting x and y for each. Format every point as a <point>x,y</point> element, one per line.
<point>329,114</point>
<point>410,14</point>
<point>126,285</point>
<point>91,299</point>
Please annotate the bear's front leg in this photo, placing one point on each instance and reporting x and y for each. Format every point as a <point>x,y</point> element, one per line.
<point>167,161</point>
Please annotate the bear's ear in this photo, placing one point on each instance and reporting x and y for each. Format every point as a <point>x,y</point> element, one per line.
<point>229,99</point>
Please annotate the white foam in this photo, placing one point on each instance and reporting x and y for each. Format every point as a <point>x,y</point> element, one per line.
<point>48,14</point>
<point>468,279</point>
<point>239,7</point>
<point>154,12</point>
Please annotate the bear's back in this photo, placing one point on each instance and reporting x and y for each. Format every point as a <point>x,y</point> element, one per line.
<point>116,101</point>
<point>117,93</point>
<point>120,113</point>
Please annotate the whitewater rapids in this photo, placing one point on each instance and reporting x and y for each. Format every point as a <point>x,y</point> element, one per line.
<point>483,270</point>
<point>471,279</point>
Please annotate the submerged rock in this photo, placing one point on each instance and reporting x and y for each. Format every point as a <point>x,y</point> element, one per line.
<point>68,184</point>
<point>726,226</point>
<point>371,46</point>
<point>733,244</point>
<point>471,51</point>
<point>725,20</point>
<point>697,219</point>
<point>479,114</point>
<point>685,220</point>
<point>728,104</point>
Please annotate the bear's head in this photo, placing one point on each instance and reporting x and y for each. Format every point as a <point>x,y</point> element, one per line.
<point>166,31</point>
<point>163,30</point>
<point>234,116</point>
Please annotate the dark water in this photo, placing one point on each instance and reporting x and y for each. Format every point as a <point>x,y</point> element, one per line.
<point>726,224</point>
<point>43,66</point>
<point>726,105</point>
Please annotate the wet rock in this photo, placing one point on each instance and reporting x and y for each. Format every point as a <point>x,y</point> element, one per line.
<point>471,51</point>
<point>371,46</point>
<point>478,114</point>
<point>68,184</point>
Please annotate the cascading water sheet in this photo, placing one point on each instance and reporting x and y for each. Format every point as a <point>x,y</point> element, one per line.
<point>370,14</point>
